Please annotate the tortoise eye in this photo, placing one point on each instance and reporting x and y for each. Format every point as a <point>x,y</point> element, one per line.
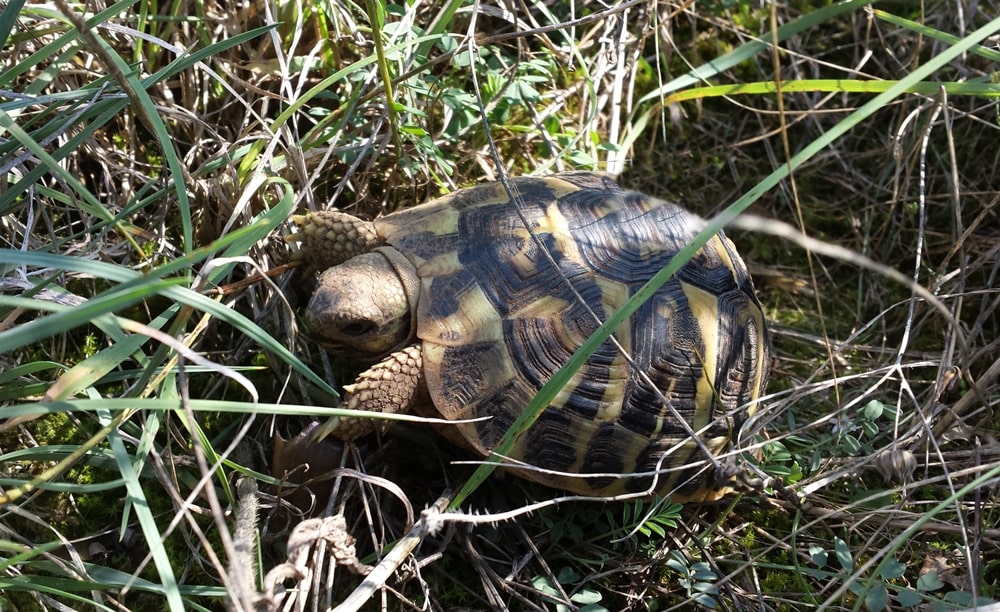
<point>357,328</point>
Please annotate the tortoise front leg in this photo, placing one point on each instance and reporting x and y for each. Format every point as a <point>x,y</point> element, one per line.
<point>391,386</point>
<point>331,237</point>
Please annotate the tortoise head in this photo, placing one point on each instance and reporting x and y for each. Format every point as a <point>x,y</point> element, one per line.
<point>366,305</point>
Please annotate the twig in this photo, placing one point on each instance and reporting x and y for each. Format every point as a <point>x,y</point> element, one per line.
<point>376,579</point>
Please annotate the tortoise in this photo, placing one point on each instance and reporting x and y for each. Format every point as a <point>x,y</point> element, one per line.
<point>467,317</point>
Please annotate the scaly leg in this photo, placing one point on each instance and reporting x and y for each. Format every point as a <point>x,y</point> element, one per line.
<point>391,386</point>
<point>331,237</point>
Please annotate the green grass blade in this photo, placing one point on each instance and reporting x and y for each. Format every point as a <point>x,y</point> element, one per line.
<point>747,52</point>
<point>147,522</point>
<point>120,404</point>
<point>925,30</point>
<point>929,88</point>
<point>95,310</point>
<point>8,17</point>
<point>146,109</point>
<point>63,588</point>
<point>88,201</point>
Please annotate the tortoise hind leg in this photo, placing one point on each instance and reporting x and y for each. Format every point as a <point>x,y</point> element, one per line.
<point>391,386</point>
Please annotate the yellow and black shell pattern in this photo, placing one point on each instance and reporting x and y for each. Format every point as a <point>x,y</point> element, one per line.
<point>497,320</point>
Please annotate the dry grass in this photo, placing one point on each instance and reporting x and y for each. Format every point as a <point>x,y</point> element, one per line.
<point>143,191</point>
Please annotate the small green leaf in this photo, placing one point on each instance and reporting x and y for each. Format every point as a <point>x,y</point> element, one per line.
<point>705,587</point>
<point>706,600</point>
<point>869,428</point>
<point>818,555</point>
<point>892,569</point>
<point>843,553</point>
<point>542,585</point>
<point>586,596</point>
<point>960,598</point>
<point>851,445</point>
<point>652,527</point>
<point>929,582</point>
<point>877,598</point>
<point>873,410</point>
<point>582,159</point>
<point>568,575</point>
<point>416,130</point>
<point>908,598</point>
<point>702,571</point>
<point>526,92</point>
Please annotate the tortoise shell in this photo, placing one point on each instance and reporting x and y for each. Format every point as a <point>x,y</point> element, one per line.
<point>496,319</point>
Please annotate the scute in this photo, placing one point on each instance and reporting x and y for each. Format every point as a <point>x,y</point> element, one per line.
<point>497,321</point>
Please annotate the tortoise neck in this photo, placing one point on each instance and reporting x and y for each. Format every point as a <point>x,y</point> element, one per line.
<point>408,278</point>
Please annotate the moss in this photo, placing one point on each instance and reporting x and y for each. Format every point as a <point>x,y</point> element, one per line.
<point>57,428</point>
<point>775,581</point>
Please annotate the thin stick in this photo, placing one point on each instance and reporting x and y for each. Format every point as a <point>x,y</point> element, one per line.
<point>427,524</point>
